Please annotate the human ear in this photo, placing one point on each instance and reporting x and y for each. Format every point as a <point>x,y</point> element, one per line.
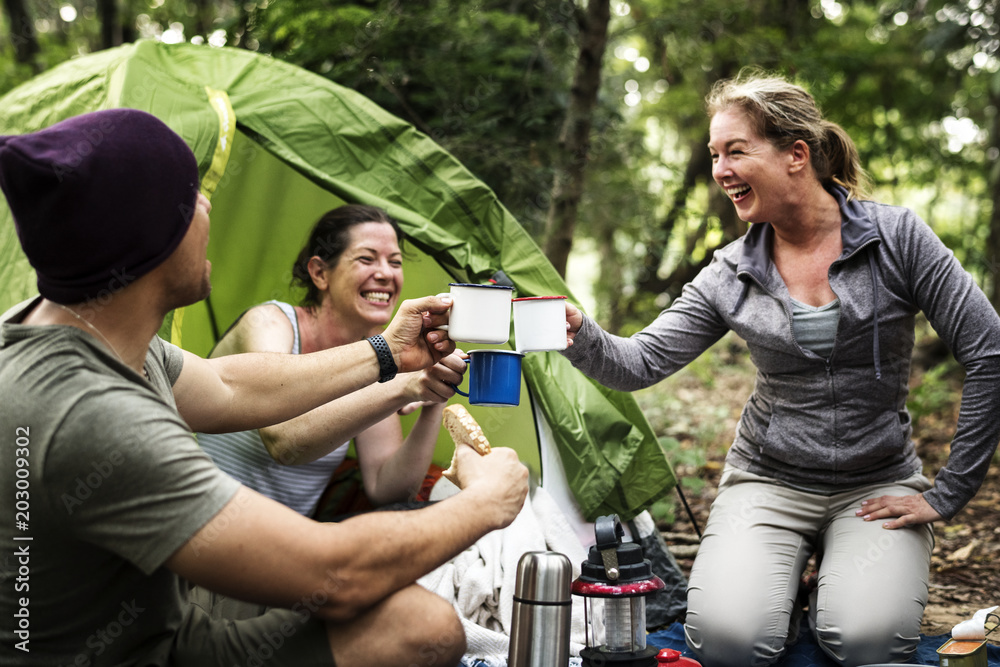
<point>317,271</point>
<point>799,156</point>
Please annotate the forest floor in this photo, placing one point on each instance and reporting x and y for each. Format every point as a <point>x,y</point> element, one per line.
<point>695,412</point>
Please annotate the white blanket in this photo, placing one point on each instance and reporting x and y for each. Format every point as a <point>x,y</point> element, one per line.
<point>480,581</point>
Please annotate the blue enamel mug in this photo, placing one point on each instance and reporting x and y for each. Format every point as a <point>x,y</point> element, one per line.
<point>494,378</point>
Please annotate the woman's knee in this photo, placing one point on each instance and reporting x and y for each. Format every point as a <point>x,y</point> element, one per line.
<point>864,642</point>
<point>733,640</point>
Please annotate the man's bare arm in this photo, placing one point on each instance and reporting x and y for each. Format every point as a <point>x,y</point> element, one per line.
<point>258,550</point>
<point>245,391</point>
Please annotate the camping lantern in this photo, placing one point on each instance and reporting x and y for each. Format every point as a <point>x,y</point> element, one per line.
<point>614,581</point>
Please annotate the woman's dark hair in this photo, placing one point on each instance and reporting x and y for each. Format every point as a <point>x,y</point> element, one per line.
<point>328,239</point>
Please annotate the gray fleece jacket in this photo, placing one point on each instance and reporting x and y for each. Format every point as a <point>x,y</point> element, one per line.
<point>840,421</point>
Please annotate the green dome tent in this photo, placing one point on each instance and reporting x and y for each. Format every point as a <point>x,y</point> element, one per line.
<point>276,147</point>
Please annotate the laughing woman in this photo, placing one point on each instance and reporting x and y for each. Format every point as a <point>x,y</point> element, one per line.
<point>352,270</point>
<point>824,288</point>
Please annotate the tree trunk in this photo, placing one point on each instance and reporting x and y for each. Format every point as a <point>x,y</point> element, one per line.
<point>699,165</point>
<point>22,31</point>
<point>111,27</point>
<point>992,259</point>
<point>126,22</point>
<point>203,19</point>
<point>574,139</point>
<point>732,228</point>
<point>612,286</point>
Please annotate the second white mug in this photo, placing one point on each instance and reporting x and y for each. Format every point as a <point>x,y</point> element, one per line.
<point>540,323</point>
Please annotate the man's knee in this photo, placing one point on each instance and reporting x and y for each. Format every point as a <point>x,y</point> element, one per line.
<point>426,632</point>
<point>436,632</point>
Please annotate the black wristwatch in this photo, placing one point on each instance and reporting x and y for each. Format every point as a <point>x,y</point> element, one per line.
<point>387,368</point>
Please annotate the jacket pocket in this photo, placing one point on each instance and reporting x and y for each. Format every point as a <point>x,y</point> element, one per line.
<point>800,438</point>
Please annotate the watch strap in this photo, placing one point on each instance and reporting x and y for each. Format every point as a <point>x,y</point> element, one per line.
<point>387,368</point>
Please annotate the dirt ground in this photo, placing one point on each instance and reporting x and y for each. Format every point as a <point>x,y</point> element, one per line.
<point>965,575</point>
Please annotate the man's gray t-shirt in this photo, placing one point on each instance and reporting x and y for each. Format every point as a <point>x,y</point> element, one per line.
<point>116,483</point>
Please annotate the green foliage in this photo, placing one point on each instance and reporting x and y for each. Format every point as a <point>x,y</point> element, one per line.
<point>58,40</point>
<point>488,81</point>
<point>934,392</point>
<point>665,509</point>
<point>886,71</point>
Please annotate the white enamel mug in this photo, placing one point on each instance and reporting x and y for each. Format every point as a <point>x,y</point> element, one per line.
<point>539,323</point>
<point>479,313</point>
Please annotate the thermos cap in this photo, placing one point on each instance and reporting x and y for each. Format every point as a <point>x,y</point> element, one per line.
<point>543,576</point>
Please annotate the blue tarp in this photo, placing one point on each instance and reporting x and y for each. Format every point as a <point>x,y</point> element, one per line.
<point>806,653</point>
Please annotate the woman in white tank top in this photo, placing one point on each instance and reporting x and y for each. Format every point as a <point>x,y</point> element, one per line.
<point>352,271</point>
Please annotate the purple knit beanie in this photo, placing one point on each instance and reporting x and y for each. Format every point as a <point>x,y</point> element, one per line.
<point>98,200</point>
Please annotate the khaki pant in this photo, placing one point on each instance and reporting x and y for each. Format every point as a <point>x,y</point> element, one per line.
<point>218,631</point>
<point>872,584</point>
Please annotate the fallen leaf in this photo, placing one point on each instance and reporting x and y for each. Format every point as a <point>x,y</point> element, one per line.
<point>964,552</point>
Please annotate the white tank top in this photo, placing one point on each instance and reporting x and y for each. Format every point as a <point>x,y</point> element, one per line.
<point>243,456</point>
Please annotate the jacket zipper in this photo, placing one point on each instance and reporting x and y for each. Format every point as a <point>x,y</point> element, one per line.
<point>788,313</point>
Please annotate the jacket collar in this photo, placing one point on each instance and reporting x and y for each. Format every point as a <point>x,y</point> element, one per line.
<point>857,230</point>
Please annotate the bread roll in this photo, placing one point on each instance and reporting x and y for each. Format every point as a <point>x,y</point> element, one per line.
<point>463,429</point>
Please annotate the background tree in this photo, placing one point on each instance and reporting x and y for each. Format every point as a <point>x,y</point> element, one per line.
<point>967,37</point>
<point>574,138</point>
<point>489,81</point>
<point>913,81</point>
<point>869,66</point>
<point>111,25</point>
<point>21,31</point>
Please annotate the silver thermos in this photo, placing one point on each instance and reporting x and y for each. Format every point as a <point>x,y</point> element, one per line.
<point>540,622</point>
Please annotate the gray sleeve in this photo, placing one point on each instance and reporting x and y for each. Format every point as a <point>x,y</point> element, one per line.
<point>173,359</point>
<point>675,338</point>
<point>966,321</point>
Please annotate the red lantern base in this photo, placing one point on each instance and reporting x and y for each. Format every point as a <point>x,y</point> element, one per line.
<point>593,657</point>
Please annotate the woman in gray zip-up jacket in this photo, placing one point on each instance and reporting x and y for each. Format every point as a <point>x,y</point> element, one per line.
<point>824,288</point>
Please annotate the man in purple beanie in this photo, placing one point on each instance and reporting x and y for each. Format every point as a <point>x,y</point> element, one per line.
<point>112,513</point>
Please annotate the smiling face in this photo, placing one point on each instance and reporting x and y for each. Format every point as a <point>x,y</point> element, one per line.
<point>364,284</point>
<point>752,172</point>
